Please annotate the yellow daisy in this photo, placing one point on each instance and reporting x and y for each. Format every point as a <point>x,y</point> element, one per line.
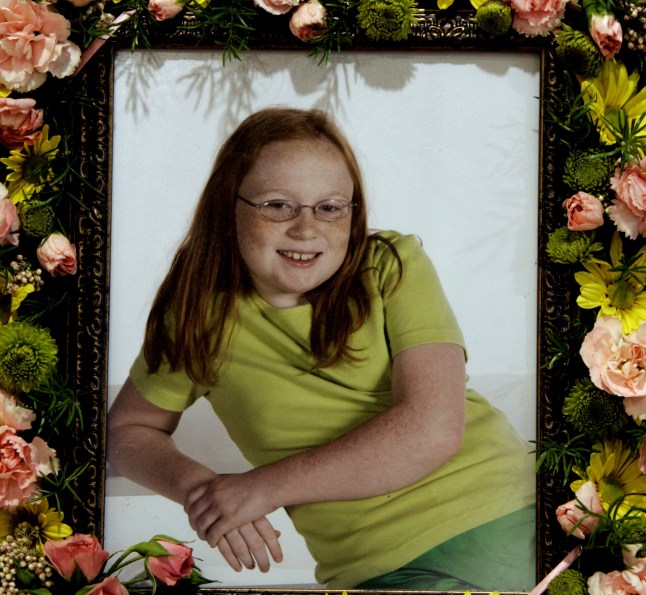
<point>35,521</point>
<point>611,95</point>
<point>615,290</point>
<point>30,167</point>
<point>615,473</point>
<point>444,4</point>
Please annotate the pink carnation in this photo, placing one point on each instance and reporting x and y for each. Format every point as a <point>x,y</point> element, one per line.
<point>9,220</point>
<point>19,122</point>
<point>631,581</point>
<point>308,20</point>
<point>584,212</point>
<point>628,209</point>
<point>33,42</point>
<point>12,414</point>
<point>537,17</point>
<point>20,465</point>
<point>636,407</point>
<point>612,583</point>
<point>277,6</point>
<point>57,256</point>
<point>165,9</point>
<point>607,34</point>
<point>617,362</point>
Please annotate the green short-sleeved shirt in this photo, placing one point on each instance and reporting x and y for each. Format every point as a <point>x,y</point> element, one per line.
<point>273,407</point>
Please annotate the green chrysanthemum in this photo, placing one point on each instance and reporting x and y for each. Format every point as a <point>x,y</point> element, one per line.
<point>494,17</point>
<point>387,19</point>
<point>593,412</point>
<point>578,52</point>
<point>568,247</point>
<point>569,582</point>
<point>36,219</point>
<point>27,356</point>
<point>589,171</point>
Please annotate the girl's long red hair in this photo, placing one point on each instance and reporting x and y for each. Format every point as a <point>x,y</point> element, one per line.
<point>194,311</point>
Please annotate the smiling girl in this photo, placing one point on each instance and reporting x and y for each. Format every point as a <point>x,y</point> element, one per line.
<point>334,361</point>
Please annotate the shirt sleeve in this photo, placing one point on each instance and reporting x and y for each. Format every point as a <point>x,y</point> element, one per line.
<point>416,308</point>
<point>172,391</point>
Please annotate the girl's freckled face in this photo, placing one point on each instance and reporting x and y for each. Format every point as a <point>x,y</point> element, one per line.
<point>289,258</point>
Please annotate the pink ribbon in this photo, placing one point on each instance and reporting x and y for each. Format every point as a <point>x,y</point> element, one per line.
<point>560,567</point>
<point>97,44</point>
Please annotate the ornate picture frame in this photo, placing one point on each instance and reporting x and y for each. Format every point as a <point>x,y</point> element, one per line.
<point>90,308</point>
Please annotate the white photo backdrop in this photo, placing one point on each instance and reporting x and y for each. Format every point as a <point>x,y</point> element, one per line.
<point>448,144</point>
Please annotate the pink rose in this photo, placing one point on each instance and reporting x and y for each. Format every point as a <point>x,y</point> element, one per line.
<point>12,414</point>
<point>617,363</point>
<point>57,256</point>
<point>537,17</point>
<point>77,551</point>
<point>19,122</point>
<point>33,42</point>
<point>606,32</point>
<point>110,586</point>
<point>628,210</point>
<point>277,6</point>
<point>165,9</point>
<point>9,222</point>
<point>612,583</point>
<point>584,212</point>
<point>573,517</point>
<point>169,569</point>
<point>308,20</point>
<point>18,473</point>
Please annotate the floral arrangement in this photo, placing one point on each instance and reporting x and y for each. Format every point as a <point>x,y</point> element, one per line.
<point>598,453</point>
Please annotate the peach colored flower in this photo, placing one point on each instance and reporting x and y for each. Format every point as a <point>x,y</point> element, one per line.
<point>308,20</point>
<point>612,583</point>
<point>77,551</point>
<point>277,6</point>
<point>165,9</point>
<point>109,586</point>
<point>13,414</point>
<point>627,582</point>
<point>33,42</point>
<point>43,458</point>
<point>607,34</point>
<point>633,562</point>
<point>19,122</point>
<point>584,212</point>
<point>18,473</point>
<point>572,515</point>
<point>169,569</point>
<point>628,209</point>
<point>56,255</point>
<point>636,407</point>
<point>537,17</point>
<point>617,363</point>
<point>9,222</point>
